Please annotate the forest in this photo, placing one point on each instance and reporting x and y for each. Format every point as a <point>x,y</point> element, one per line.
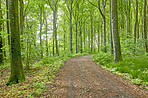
<point>74,48</point>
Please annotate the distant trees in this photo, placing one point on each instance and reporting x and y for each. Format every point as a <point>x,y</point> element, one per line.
<point>17,73</point>
<point>59,27</point>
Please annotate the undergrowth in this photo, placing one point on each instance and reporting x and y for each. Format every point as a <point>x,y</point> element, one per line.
<point>134,68</point>
<point>37,76</point>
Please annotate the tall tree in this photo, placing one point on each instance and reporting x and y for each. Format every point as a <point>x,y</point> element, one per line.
<point>53,6</point>
<point>102,12</point>
<point>145,25</point>
<point>41,24</point>
<point>115,32</point>
<point>135,26</point>
<point>17,73</point>
<point>1,40</point>
<point>69,4</point>
<point>7,5</point>
<point>111,37</point>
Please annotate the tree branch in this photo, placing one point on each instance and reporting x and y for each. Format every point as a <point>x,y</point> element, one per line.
<point>98,8</point>
<point>50,5</point>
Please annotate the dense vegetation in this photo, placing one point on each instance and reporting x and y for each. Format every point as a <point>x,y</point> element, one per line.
<point>38,35</point>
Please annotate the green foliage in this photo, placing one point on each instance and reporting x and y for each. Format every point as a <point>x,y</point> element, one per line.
<point>38,88</point>
<point>103,58</point>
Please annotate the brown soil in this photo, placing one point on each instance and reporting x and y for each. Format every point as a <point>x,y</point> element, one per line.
<point>81,77</point>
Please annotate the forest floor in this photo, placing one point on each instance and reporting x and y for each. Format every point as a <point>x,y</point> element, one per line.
<point>81,77</point>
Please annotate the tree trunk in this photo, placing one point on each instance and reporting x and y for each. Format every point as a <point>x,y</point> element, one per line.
<point>17,73</point>
<point>84,36</point>
<point>104,27</point>
<point>70,28</point>
<point>1,39</point>
<point>116,38</point>
<point>141,10</point>
<point>21,20</point>
<point>145,26</point>
<point>111,37</point>
<point>55,27</point>
<point>91,26</point>
<point>76,36</point>
<point>135,26</point>
<point>80,35</point>
<point>41,24</point>
<point>46,25</point>
<point>7,5</point>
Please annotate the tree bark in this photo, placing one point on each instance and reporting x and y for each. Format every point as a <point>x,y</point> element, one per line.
<point>145,26</point>
<point>116,38</point>
<point>54,25</point>
<point>91,26</point>
<point>70,28</point>
<point>104,27</point>
<point>111,37</point>
<point>17,73</point>
<point>1,39</point>
<point>41,24</point>
<point>8,31</point>
<point>135,26</point>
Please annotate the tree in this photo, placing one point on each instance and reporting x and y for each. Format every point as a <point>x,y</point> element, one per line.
<point>41,24</point>
<point>1,40</point>
<point>53,6</point>
<point>69,4</point>
<point>145,26</point>
<point>111,35</point>
<point>7,5</point>
<point>17,73</point>
<point>102,12</point>
<point>135,26</point>
<point>115,32</point>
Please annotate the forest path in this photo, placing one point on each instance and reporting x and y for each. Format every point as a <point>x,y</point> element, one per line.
<point>81,77</point>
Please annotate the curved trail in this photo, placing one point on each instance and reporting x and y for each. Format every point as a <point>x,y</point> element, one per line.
<point>80,77</point>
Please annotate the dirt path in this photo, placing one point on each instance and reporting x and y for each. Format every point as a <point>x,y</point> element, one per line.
<point>80,77</point>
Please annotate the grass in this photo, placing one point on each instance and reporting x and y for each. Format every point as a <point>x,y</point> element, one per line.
<point>39,74</point>
<point>134,68</point>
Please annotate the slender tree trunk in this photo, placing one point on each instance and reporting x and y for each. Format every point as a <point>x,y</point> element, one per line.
<point>116,38</point>
<point>17,73</point>
<point>135,26</point>
<point>98,40</point>
<point>7,5</point>
<point>89,31</point>
<point>21,16</point>
<point>145,25</point>
<point>91,26</point>
<point>80,35</point>
<point>21,21</point>
<point>76,36</point>
<point>104,27</point>
<point>64,34</point>
<point>84,36</point>
<point>41,24</point>
<point>1,39</point>
<point>141,10</point>
<point>55,27</point>
<point>46,26</point>
<point>70,28</point>
<point>111,37</point>
<point>27,62</point>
